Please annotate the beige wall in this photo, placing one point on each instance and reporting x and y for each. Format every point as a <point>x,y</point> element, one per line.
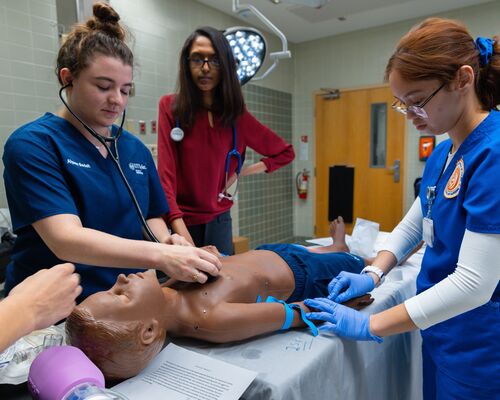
<point>358,59</point>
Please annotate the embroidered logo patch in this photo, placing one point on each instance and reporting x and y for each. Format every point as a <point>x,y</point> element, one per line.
<point>138,168</point>
<point>453,185</point>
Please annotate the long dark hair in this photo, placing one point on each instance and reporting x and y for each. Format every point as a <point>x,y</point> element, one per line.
<point>436,48</point>
<point>228,102</point>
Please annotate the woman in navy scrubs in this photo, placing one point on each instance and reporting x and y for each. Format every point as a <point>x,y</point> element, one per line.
<point>65,195</point>
<point>444,81</point>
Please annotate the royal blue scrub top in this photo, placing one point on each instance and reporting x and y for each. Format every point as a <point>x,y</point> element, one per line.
<point>52,169</point>
<point>465,348</point>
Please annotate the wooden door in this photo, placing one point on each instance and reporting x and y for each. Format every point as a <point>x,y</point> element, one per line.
<point>343,137</point>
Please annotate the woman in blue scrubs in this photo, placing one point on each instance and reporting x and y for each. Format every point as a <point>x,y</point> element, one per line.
<point>65,195</point>
<point>444,81</point>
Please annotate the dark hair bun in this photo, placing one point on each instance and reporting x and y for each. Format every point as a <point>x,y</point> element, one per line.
<point>106,19</point>
<point>105,14</point>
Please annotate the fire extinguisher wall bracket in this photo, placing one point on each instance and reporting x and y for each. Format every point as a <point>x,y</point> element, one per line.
<point>301,183</point>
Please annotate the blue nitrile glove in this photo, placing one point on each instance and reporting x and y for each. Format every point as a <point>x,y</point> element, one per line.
<point>341,320</point>
<point>347,285</point>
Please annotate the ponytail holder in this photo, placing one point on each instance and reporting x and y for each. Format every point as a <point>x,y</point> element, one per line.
<point>485,47</point>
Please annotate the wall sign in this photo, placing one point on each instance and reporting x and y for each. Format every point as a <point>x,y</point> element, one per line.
<point>426,147</point>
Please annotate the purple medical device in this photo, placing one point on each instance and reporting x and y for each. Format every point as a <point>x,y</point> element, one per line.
<point>65,372</point>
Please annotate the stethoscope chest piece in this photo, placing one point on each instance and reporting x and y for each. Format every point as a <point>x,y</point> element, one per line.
<point>177,134</point>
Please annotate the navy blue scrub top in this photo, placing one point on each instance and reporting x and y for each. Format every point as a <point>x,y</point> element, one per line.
<point>465,348</point>
<point>467,197</point>
<point>52,169</point>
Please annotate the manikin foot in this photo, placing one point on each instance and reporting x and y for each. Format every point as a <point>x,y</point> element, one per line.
<point>337,232</point>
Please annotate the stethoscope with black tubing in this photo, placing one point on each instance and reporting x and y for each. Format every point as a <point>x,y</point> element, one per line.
<point>104,140</point>
<point>177,135</point>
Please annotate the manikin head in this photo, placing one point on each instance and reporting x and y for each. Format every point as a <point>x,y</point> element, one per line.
<point>123,328</point>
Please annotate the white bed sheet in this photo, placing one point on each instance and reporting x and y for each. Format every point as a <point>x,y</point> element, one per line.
<point>294,365</point>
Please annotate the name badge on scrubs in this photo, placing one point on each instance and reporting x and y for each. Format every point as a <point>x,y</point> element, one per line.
<point>428,231</point>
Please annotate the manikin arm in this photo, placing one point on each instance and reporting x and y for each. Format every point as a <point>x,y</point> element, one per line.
<point>229,322</point>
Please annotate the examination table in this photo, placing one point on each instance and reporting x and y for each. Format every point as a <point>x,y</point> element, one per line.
<point>294,365</point>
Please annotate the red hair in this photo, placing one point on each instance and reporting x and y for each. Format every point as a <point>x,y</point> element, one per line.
<point>436,48</point>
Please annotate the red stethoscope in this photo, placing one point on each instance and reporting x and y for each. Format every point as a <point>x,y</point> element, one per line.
<point>177,135</point>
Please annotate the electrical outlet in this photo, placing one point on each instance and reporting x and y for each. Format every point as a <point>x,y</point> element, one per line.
<point>142,127</point>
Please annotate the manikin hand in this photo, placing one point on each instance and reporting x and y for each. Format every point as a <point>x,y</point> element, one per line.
<point>174,238</point>
<point>358,303</point>
<point>187,263</point>
<point>48,296</point>
<point>341,320</point>
<point>347,285</point>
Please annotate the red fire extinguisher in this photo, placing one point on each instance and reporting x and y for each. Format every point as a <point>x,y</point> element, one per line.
<point>302,183</point>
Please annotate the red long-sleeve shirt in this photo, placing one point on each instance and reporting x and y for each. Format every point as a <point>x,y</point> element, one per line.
<point>192,171</point>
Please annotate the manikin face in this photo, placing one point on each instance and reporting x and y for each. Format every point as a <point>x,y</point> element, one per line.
<point>206,77</point>
<point>136,297</point>
<point>443,109</point>
<point>100,92</point>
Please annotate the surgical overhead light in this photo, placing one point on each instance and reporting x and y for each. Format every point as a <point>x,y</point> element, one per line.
<point>249,46</point>
<point>305,3</point>
<point>249,49</point>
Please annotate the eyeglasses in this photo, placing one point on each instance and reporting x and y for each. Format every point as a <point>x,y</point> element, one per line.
<point>198,62</point>
<point>417,109</point>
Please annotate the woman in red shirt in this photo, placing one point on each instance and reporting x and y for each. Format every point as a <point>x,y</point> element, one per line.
<point>196,134</point>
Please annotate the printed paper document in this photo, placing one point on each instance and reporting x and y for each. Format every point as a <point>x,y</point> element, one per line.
<point>180,374</point>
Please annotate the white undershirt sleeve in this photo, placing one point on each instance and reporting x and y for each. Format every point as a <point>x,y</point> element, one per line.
<point>469,286</point>
<point>407,235</point>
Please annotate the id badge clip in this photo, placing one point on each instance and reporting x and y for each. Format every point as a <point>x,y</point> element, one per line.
<point>428,223</point>
<point>428,231</point>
